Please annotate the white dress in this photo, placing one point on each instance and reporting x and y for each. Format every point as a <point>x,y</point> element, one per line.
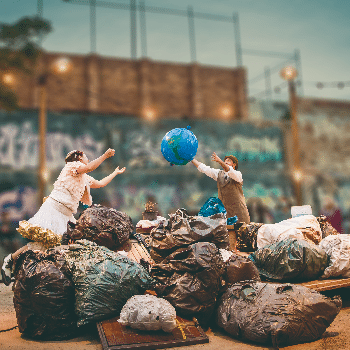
<point>50,222</point>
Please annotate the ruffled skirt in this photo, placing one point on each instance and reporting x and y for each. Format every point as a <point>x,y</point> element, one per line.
<point>48,225</point>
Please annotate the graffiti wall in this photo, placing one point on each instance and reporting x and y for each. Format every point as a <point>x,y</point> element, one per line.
<point>137,144</point>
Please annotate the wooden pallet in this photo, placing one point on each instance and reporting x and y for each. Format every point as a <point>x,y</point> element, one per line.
<point>115,336</point>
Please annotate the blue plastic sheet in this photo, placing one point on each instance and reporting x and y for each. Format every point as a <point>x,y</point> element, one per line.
<point>212,206</point>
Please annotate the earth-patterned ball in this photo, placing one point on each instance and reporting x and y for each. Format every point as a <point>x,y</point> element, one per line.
<point>179,146</point>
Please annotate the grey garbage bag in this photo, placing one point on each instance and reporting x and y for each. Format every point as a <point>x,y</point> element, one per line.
<point>277,314</point>
<point>190,279</point>
<point>105,226</point>
<point>147,312</point>
<point>104,280</point>
<point>44,296</point>
<point>182,230</point>
<point>290,260</point>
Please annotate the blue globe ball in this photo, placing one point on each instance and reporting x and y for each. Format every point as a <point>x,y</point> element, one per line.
<point>179,146</point>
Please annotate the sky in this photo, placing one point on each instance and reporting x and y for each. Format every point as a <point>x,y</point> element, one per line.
<point>319,29</point>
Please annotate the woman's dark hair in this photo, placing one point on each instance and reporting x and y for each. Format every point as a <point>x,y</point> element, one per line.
<point>74,156</point>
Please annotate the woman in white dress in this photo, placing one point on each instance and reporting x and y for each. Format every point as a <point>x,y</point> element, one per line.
<point>46,227</point>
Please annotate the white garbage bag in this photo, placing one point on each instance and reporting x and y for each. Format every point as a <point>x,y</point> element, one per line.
<point>147,312</point>
<point>290,228</point>
<point>337,248</point>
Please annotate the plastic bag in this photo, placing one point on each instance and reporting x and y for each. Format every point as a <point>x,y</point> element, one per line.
<point>280,314</point>
<point>338,249</point>
<point>211,207</point>
<point>102,225</point>
<point>104,280</point>
<point>44,296</point>
<point>147,312</point>
<point>246,237</point>
<point>190,279</point>
<point>181,230</point>
<point>290,260</point>
<point>238,268</point>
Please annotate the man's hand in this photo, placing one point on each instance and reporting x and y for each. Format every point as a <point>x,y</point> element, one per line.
<point>109,153</point>
<point>215,158</point>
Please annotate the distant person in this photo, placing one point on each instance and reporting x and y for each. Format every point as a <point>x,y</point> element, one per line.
<point>72,185</point>
<point>333,214</point>
<point>258,211</point>
<point>230,185</point>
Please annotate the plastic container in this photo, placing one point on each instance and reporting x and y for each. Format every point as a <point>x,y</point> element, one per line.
<point>301,210</point>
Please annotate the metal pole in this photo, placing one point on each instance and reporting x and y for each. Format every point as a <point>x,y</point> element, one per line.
<point>295,137</point>
<point>42,138</point>
<point>133,28</point>
<point>93,26</point>
<point>298,68</point>
<point>238,45</point>
<point>190,16</point>
<point>143,29</point>
<point>268,84</point>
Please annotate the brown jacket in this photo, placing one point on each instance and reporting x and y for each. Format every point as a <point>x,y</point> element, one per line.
<point>230,192</point>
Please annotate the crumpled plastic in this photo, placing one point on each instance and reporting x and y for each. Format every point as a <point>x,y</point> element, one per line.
<point>338,249</point>
<point>182,230</point>
<point>326,227</point>
<point>281,314</point>
<point>246,237</point>
<point>147,312</point>
<point>238,268</point>
<point>44,296</point>
<point>104,280</point>
<point>290,260</point>
<point>105,226</point>
<point>190,279</point>
<point>212,206</point>
<point>46,237</point>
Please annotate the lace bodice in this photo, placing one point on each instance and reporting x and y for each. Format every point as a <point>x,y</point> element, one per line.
<point>69,179</point>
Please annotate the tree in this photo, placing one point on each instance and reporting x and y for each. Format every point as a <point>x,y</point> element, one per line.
<point>19,51</point>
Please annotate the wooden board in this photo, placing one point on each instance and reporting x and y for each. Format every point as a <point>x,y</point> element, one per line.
<point>115,336</point>
<point>322,285</point>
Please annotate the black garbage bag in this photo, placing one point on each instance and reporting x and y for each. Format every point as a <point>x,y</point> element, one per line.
<point>326,228</point>
<point>190,279</point>
<point>212,206</point>
<point>104,280</point>
<point>181,230</point>
<point>277,314</point>
<point>105,226</point>
<point>290,260</point>
<point>246,237</point>
<point>240,268</point>
<point>44,295</point>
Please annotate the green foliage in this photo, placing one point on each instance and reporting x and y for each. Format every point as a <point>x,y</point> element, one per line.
<point>19,50</point>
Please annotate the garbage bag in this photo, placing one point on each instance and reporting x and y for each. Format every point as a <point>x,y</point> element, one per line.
<point>44,296</point>
<point>246,237</point>
<point>281,314</point>
<point>290,260</point>
<point>104,280</point>
<point>182,230</point>
<point>238,268</point>
<point>102,225</point>
<point>190,279</point>
<point>337,248</point>
<point>326,227</point>
<point>147,312</point>
<point>212,206</point>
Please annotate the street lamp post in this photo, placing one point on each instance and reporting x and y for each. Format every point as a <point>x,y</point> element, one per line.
<point>289,73</point>
<point>59,66</point>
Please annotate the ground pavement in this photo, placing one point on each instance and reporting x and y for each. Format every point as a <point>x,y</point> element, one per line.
<point>337,336</point>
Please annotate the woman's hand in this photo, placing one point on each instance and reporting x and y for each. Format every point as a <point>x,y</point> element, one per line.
<point>109,153</point>
<point>118,171</point>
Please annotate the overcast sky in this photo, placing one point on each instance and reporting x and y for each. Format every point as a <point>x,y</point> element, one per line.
<point>320,29</point>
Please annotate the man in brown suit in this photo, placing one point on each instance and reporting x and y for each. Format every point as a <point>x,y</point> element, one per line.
<point>230,183</point>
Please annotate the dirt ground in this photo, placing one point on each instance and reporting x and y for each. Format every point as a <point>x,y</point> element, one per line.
<point>336,337</point>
